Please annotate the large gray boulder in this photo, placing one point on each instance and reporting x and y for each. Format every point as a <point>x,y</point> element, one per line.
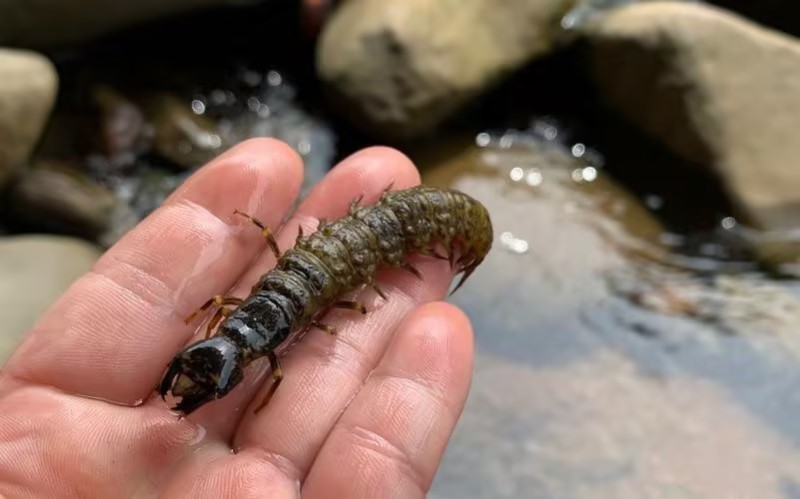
<point>715,88</point>
<point>400,68</point>
<point>46,23</point>
<point>28,86</point>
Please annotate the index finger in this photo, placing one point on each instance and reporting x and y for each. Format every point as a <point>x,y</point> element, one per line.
<point>111,335</point>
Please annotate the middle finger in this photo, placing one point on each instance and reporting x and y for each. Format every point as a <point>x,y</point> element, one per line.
<point>366,173</point>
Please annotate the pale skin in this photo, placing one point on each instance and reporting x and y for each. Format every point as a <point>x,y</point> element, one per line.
<point>363,414</point>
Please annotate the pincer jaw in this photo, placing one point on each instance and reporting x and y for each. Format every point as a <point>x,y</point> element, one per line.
<point>202,373</point>
<point>179,384</point>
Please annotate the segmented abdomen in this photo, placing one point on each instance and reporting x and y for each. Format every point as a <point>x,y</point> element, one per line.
<point>347,253</point>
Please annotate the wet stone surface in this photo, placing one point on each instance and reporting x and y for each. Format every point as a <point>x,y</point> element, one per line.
<point>607,367</point>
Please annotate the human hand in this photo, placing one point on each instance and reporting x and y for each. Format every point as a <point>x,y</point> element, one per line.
<point>366,413</point>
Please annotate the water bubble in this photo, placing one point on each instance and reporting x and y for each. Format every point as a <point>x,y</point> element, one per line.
<point>214,141</point>
<point>534,177</point>
<point>253,103</point>
<point>483,139</point>
<point>514,244</point>
<point>568,21</point>
<point>274,78</point>
<point>264,111</point>
<point>551,133</point>
<point>304,147</point>
<point>577,174</point>
<point>516,174</point>
<point>589,174</point>
<point>578,150</point>
<point>728,223</point>
<point>507,140</point>
<point>198,106</point>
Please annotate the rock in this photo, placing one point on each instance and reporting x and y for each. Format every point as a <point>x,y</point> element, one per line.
<point>43,23</point>
<point>28,85</point>
<point>187,139</point>
<point>717,89</point>
<point>600,374</point>
<point>550,186</point>
<point>60,201</point>
<point>123,130</point>
<point>36,270</point>
<point>401,68</point>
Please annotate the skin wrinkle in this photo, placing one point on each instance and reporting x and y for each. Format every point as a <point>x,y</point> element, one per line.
<point>280,462</point>
<point>372,442</point>
<point>418,384</point>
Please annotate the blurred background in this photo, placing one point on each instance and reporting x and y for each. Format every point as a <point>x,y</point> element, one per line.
<point>637,321</point>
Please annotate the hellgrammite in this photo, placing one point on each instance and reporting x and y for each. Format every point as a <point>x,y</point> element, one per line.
<point>341,256</point>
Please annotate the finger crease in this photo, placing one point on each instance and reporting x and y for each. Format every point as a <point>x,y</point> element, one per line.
<point>371,441</point>
<point>280,462</point>
<point>419,385</point>
<point>332,350</point>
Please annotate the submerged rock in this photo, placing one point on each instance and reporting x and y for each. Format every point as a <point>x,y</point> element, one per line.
<point>715,88</point>
<point>182,136</point>
<point>59,201</point>
<point>28,85</point>
<point>36,270</point>
<point>601,374</point>
<point>401,68</point>
<point>123,131</point>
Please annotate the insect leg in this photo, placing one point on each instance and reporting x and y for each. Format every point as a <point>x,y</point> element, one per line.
<point>328,329</point>
<point>351,305</point>
<point>379,291</point>
<point>265,231</point>
<point>354,204</point>
<point>222,312</point>
<point>277,377</point>
<point>217,300</point>
<point>410,268</point>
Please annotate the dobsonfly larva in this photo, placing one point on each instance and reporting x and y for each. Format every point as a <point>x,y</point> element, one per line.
<point>341,256</point>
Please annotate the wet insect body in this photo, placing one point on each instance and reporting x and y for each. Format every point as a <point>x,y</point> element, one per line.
<point>341,256</point>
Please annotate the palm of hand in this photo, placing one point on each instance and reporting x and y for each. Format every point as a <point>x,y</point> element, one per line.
<point>365,414</point>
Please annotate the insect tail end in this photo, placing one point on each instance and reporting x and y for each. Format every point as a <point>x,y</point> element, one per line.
<point>468,270</point>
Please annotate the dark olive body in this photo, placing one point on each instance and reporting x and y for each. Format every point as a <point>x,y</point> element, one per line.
<point>341,256</point>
